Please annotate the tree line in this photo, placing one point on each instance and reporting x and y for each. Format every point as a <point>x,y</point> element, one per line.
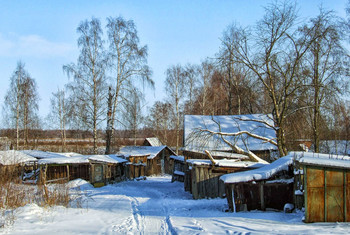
<point>295,70</point>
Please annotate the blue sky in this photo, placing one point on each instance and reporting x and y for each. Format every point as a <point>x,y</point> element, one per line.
<point>42,34</point>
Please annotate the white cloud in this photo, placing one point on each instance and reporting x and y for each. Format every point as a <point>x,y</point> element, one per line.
<point>32,46</point>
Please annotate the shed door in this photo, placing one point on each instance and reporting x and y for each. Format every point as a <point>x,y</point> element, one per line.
<point>98,173</point>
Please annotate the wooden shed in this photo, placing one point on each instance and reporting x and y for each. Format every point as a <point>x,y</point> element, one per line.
<point>271,186</point>
<point>179,168</point>
<point>97,169</point>
<point>14,164</point>
<point>158,158</point>
<point>136,166</point>
<point>202,176</point>
<point>326,187</point>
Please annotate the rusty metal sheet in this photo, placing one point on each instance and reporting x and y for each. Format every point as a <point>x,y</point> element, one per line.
<point>315,195</point>
<point>315,205</point>
<point>315,177</point>
<point>334,178</point>
<point>334,196</point>
<point>347,197</point>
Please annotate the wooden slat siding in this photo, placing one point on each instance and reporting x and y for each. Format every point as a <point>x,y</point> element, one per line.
<point>335,196</point>
<point>213,183</point>
<point>199,182</point>
<point>194,188</point>
<point>202,182</point>
<point>221,187</point>
<point>206,183</point>
<point>228,190</point>
<point>262,196</point>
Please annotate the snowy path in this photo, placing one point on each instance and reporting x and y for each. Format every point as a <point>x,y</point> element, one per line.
<point>156,206</point>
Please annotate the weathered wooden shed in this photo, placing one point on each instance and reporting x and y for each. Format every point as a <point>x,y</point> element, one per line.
<point>326,187</point>
<point>15,163</point>
<point>97,169</point>
<point>136,166</point>
<point>202,176</point>
<point>271,186</point>
<point>158,160</point>
<point>179,168</point>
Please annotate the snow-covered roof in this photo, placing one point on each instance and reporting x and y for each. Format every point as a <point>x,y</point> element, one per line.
<point>107,158</point>
<point>41,154</point>
<point>70,154</point>
<point>221,154</point>
<point>253,123</point>
<point>154,141</point>
<point>225,163</point>
<point>12,157</point>
<point>65,160</point>
<point>152,151</point>
<point>262,173</point>
<point>82,159</point>
<point>178,158</point>
<point>323,160</point>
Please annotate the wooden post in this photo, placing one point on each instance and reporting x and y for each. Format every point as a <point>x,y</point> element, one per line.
<point>261,191</point>
<point>194,182</point>
<point>68,173</point>
<point>233,199</point>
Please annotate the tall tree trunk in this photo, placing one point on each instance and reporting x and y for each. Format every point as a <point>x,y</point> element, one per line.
<point>109,131</point>
<point>95,116</point>
<point>316,101</point>
<point>177,124</point>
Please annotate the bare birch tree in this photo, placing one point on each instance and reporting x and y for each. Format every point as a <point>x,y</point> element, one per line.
<point>89,85</point>
<point>21,103</point>
<point>323,65</point>
<point>132,110</point>
<point>129,58</point>
<point>160,120</point>
<point>175,85</point>
<point>58,113</point>
<point>206,72</point>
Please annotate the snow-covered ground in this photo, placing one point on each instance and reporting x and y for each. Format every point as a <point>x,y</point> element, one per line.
<point>155,206</point>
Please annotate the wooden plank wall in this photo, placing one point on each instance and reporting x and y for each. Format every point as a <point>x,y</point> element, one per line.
<point>205,183</point>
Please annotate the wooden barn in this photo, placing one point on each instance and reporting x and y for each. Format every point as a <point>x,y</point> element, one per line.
<point>202,176</point>
<point>326,187</point>
<point>158,158</point>
<point>197,136</point>
<point>271,186</point>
